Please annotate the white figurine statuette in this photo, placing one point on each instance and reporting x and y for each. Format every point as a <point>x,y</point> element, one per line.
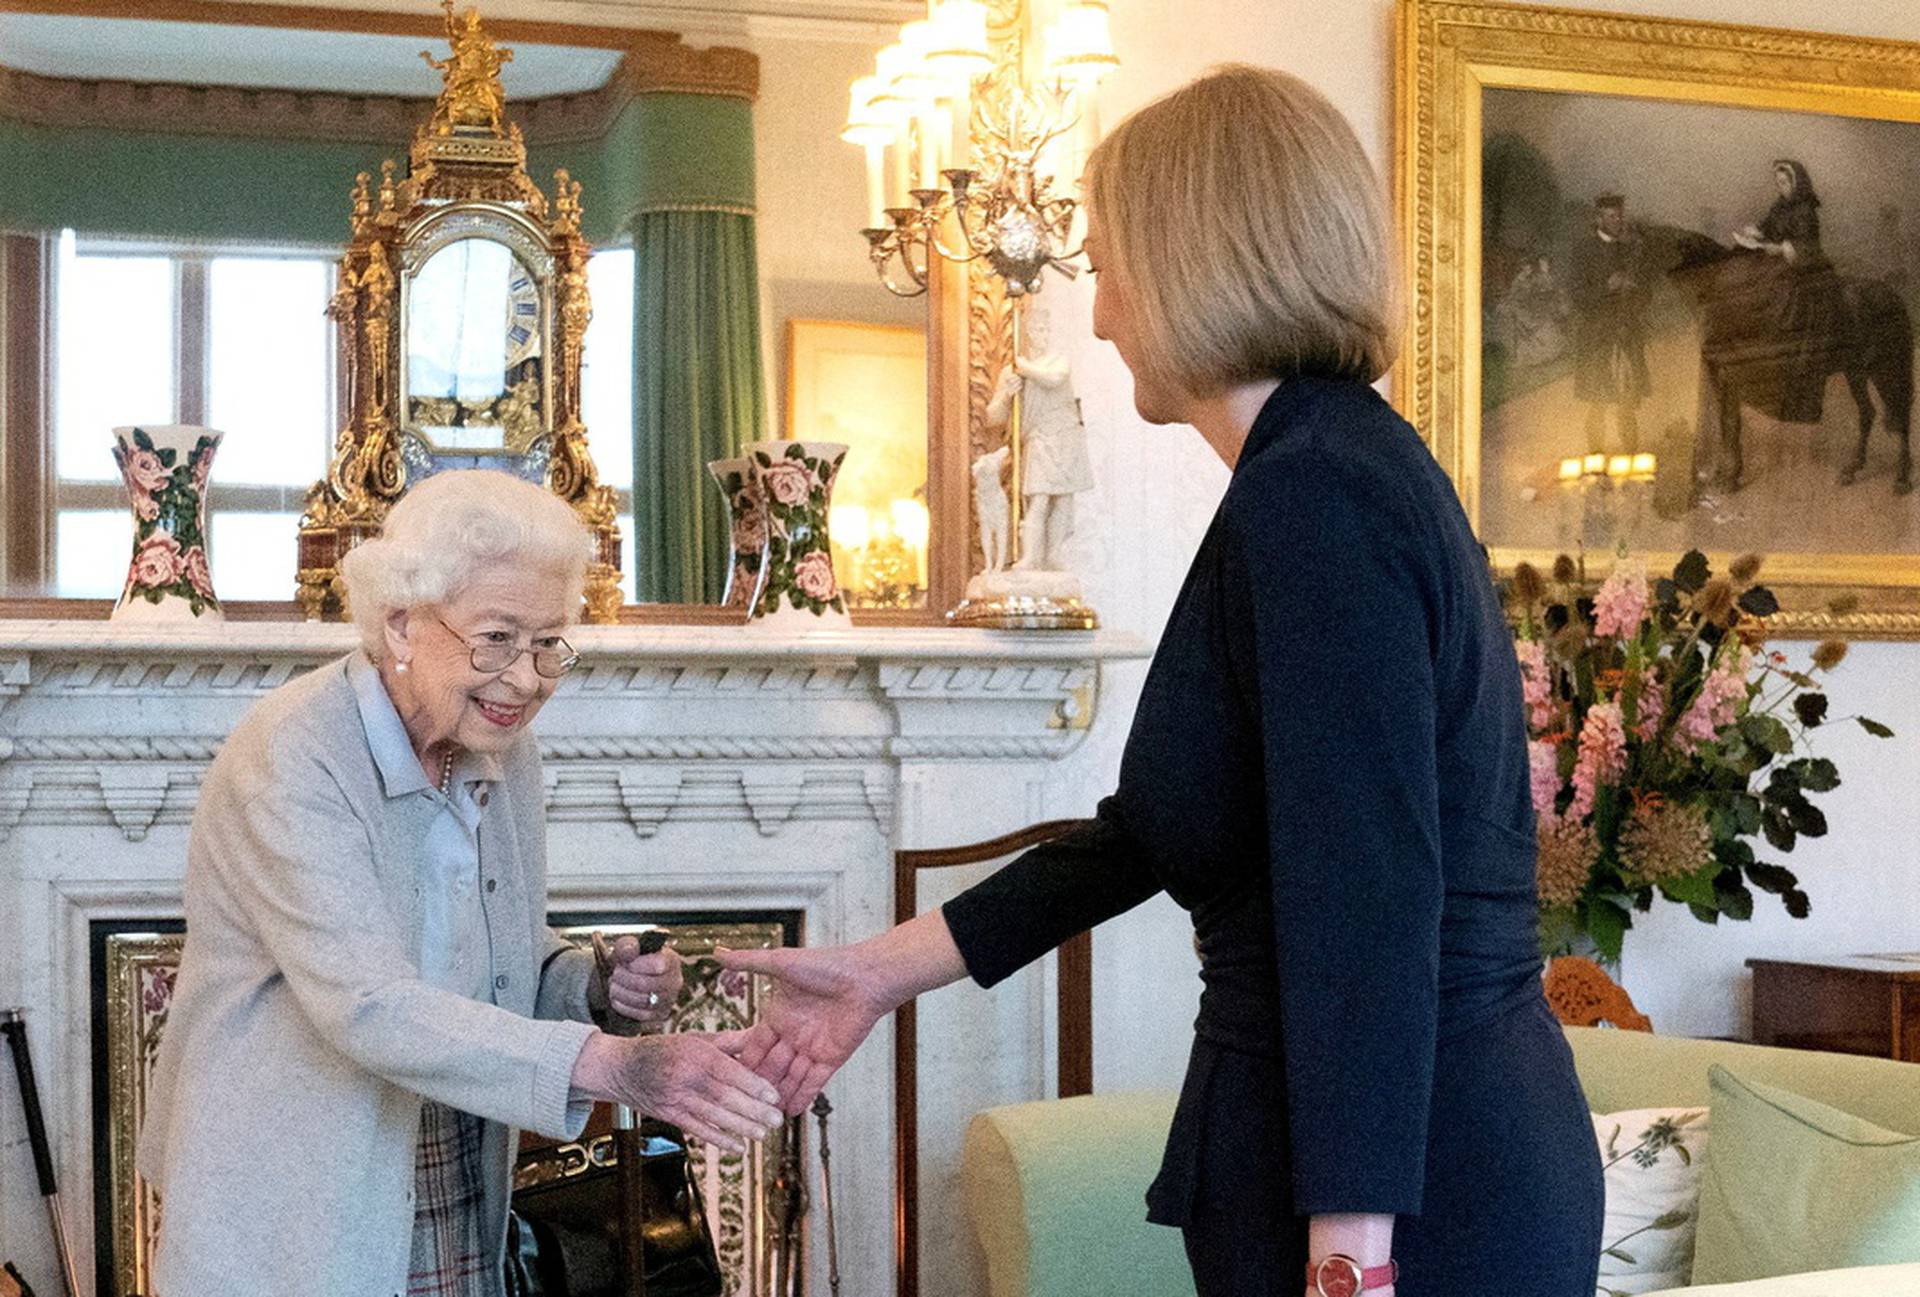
<point>1047,446</point>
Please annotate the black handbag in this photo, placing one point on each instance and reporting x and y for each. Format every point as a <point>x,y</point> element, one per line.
<point>568,1235</point>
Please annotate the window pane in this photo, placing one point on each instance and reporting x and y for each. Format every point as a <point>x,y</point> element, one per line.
<point>254,554</point>
<point>113,355</point>
<point>91,551</point>
<point>267,367</point>
<point>606,369</point>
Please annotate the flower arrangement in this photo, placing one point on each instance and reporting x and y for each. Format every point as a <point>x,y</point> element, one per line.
<point>1666,743</point>
<point>166,490</point>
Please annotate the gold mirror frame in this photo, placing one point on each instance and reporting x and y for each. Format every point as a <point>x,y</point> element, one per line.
<point>527,245</point>
<point>1448,54</point>
<point>466,176</point>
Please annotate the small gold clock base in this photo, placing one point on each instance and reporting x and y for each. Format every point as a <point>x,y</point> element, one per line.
<point>1024,612</point>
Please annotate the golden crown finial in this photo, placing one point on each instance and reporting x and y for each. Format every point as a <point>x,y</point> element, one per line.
<point>471,97</point>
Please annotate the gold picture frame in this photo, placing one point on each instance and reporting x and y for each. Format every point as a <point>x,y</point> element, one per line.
<point>1457,63</point>
<point>140,970</point>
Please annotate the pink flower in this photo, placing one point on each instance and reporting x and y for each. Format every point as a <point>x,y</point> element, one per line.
<point>1602,759</point>
<point>144,469</point>
<point>1652,707</point>
<point>145,506</point>
<point>1622,601</point>
<point>788,481</point>
<point>1536,682</point>
<point>1543,761</point>
<point>1717,704</point>
<point>749,533</point>
<point>157,562</point>
<point>814,575</point>
<point>158,992</point>
<point>199,575</point>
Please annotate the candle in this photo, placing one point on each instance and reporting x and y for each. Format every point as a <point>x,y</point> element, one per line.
<point>876,185</point>
<point>901,179</point>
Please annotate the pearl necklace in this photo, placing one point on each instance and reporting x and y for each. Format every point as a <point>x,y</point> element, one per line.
<point>446,775</point>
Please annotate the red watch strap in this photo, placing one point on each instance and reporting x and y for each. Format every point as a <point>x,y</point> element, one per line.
<point>1371,1279</point>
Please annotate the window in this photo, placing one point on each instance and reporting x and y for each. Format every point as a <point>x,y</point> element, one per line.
<point>233,339</point>
<point>237,339</point>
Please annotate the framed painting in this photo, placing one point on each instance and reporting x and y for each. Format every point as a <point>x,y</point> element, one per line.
<point>1663,279</point>
<point>866,385</point>
<point>135,967</point>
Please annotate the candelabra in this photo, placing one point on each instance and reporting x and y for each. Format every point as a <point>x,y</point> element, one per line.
<point>940,95</point>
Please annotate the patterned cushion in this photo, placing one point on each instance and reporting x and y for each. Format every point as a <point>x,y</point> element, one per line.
<point>1652,1161</point>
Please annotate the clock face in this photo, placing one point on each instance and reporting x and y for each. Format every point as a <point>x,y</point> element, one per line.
<point>1338,1279</point>
<point>476,354</point>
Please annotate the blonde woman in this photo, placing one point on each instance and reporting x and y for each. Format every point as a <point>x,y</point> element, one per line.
<point>1327,767</point>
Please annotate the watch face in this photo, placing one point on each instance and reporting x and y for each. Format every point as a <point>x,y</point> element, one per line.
<point>1338,1277</point>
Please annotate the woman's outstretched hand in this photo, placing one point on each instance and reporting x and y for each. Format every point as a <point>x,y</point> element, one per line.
<point>819,1007</point>
<point>824,1000</point>
<point>694,1081</point>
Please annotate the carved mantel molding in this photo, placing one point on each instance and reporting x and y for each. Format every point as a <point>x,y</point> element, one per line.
<point>102,724</point>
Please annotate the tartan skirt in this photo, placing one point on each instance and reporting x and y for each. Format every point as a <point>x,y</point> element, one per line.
<point>450,1258</point>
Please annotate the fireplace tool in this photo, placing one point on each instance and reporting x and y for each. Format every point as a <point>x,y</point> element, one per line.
<point>13,1025</point>
<point>821,1110</point>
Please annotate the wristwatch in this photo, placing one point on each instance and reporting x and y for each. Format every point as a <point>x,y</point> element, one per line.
<point>1337,1275</point>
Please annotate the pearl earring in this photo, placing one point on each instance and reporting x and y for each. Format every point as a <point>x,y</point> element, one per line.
<point>401,666</point>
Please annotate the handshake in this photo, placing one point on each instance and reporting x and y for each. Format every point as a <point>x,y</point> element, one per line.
<point>729,1087</point>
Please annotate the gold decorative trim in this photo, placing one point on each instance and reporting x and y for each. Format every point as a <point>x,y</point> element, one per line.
<point>730,209</point>
<point>1448,53</point>
<point>134,1023</point>
<point>662,63</point>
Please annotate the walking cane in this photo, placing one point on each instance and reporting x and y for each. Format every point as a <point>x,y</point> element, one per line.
<point>13,1025</point>
<point>627,1139</point>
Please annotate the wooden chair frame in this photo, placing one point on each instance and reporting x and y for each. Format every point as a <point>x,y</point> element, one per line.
<point>1075,1000</point>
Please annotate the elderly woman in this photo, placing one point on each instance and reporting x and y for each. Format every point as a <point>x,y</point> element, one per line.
<point>370,1002</point>
<point>1327,767</point>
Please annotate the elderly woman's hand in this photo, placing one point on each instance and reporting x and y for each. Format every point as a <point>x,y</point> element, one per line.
<point>643,987</point>
<point>689,1079</point>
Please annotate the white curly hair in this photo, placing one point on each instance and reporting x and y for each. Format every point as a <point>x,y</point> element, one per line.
<point>449,528</point>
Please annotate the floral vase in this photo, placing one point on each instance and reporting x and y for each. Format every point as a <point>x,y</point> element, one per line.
<point>165,467</point>
<point>746,530</point>
<point>798,589</point>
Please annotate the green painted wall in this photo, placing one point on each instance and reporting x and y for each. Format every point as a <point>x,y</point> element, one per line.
<point>662,149</point>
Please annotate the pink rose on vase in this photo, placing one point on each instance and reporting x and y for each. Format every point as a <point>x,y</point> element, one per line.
<point>158,561</point>
<point>145,506</point>
<point>788,481</point>
<point>814,575</point>
<point>144,470</point>
<point>749,533</point>
<point>199,574</point>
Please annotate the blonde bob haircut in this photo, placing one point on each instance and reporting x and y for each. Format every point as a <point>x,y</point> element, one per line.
<point>1250,233</point>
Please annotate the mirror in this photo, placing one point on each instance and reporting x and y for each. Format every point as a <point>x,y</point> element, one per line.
<point>475,351</point>
<point>177,240</point>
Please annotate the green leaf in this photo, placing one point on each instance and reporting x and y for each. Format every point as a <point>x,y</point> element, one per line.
<point>1767,732</point>
<point>1691,572</point>
<point>1798,905</point>
<point>1776,880</point>
<point>141,439</point>
<point>1733,853</point>
<point>1695,888</point>
<point>1816,774</point>
<point>1733,898</point>
<point>1615,1252</point>
<point>1673,1219</point>
<point>1807,819</point>
<point>167,457</point>
<point>1759,601</point>
<point>795,451</point>
<point>1746,813</point>
<point>1778,828</point>
<point>1874,728</point>
<point>1704,914</point>
<point>1810,708</point>
<point>1685,1157</point>
<point>1607,924</point>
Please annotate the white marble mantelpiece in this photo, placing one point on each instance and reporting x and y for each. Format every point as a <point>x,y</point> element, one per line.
<point>688,768</point>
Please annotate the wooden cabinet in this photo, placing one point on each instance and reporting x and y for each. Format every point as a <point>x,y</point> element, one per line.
<point>1851,1004</point>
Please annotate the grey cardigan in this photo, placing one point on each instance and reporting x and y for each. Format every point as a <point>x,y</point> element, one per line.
<point>284,1111</point>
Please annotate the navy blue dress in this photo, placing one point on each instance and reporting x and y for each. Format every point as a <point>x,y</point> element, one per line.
<point>1328,769</point>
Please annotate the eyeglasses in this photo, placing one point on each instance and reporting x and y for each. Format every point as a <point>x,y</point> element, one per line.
<point>553,657</point>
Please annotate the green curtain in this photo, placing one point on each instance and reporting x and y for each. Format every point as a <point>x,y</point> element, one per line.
<point>698,393</point>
